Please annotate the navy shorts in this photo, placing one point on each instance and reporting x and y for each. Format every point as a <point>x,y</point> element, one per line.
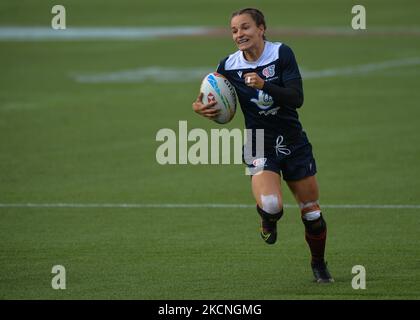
<point>294,161</point>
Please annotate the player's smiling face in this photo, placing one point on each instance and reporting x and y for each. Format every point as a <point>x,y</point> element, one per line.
<point>245,32</point>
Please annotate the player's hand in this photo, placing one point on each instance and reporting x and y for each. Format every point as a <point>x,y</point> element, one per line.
<point>253,80</point>
<point>205,110</point>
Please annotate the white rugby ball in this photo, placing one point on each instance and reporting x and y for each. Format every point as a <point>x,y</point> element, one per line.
<point>215,87</point>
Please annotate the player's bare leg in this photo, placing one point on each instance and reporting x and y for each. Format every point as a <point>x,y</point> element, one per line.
<point>306,192</point>
<point>267,194</point>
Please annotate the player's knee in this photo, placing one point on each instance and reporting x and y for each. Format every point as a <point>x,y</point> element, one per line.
<point>271,204</point>
<point>312,218</point>
<point>272,208</point>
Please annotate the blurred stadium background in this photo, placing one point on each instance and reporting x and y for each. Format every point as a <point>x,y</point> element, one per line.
<point>78,120</point>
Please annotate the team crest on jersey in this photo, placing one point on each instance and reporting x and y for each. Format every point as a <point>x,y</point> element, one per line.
<point>270,71</point>
<point>240,74</point>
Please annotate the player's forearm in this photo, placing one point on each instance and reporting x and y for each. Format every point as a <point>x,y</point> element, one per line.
<point>291,95</point>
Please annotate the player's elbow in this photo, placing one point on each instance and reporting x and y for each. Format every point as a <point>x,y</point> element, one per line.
<point>299,101</point>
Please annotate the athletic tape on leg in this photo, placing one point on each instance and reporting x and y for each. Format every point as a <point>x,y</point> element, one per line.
<point>308,204</point>
<point>311,216</point>
<point>310,210</point>
<point>270,203</point>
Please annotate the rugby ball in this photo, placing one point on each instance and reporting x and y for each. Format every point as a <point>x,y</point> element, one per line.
<point>216,87</point>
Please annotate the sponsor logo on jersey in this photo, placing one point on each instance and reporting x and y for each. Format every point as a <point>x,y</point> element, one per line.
<point>240,74</point>
<point>260,162</point>
<point>269,71</point>
<point>269,112</point>
<point>264,100</point>
<point>280,147</point>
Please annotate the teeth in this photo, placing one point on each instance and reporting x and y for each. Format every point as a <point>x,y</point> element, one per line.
<point>242,41</point>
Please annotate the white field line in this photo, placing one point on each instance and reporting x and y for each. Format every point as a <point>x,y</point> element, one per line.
<point>161,74</point>
<point>36,33</point>
<point>194,205</point>
<point>364,68</point>
<point>158,74</point>
<point>97,33</point>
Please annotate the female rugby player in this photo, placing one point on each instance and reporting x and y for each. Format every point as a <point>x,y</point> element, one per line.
<point>269,88</point>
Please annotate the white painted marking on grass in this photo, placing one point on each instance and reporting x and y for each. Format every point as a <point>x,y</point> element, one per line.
<point>345,31</point>
<point>158,74</point>
<point>195,205</point>
<point>360,69</point>
<point>36,33</point>
<point>97,33</point>
<point>161,74</point>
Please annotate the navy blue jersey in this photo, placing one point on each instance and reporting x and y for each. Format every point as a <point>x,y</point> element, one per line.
<point>277,64</point>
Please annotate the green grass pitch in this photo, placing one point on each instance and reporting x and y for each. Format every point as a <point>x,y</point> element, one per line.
<point>64,141</point>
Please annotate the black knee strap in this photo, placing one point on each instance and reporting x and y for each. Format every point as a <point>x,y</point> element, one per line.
<point>315,227</point>
<point>270,216</point>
